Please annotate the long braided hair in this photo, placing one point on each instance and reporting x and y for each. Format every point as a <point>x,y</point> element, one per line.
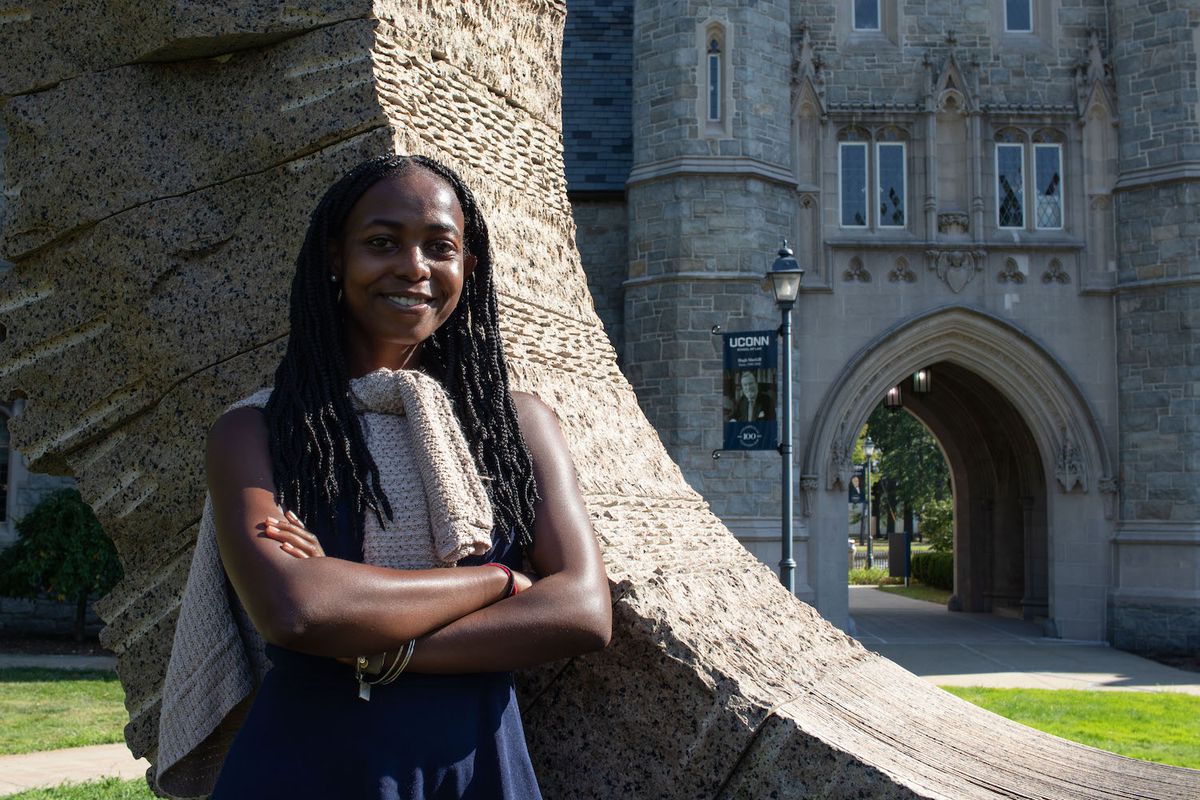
<point>319,457</point>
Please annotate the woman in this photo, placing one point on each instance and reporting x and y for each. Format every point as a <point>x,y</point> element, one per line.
<point>394,683</point>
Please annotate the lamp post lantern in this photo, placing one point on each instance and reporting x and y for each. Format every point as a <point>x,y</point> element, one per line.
<point>785,277</point>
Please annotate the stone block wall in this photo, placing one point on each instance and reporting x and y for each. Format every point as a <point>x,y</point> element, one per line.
<point>875,69</point>
<point>1156,58</point>
<point>668,86</point>
<point>43,617</point>
<point>1153,603</point>
<point>602,238</point>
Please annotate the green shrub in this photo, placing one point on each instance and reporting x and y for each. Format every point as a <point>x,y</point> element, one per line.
<point>934,569</point>
<point>937,524</point>
<point>62,552</point>
<point>871,577</point>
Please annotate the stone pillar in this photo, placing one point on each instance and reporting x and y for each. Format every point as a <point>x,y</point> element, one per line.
<point>1155,604</point>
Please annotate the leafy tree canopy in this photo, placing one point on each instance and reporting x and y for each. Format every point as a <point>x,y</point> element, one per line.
<point>62,552</point>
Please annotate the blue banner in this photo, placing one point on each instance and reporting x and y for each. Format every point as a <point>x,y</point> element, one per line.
<point>749,384</point>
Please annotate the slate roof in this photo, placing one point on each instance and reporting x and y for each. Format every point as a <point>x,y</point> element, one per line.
<point>598,94</point>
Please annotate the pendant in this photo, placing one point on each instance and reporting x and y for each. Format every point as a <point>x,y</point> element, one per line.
<point>364,691</point>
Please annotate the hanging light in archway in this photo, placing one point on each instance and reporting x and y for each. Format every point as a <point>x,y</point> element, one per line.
<point>892,401</point>
<point>922,381</point>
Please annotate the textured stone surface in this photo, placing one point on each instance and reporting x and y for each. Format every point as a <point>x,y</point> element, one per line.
<point>141,303</point>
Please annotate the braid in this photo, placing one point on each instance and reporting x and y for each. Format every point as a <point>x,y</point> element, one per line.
<point>319,457</point>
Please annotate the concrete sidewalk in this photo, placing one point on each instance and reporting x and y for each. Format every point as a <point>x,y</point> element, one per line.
<point>75,764</point>
<point>957,649</point>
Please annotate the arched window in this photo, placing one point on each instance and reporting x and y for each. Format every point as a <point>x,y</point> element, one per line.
<point>715,79</point>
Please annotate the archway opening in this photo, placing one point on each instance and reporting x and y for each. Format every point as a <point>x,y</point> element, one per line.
<point>1001,548</point>
<point>906,530</point>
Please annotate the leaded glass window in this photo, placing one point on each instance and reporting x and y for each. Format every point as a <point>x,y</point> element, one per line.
<point>714,80</point>
<point>1047,176</point>
<point>852,166</point>
<point>866,15</point>
<point>1018,16</point>
<point>892,180</point>
<point>1010,185</point>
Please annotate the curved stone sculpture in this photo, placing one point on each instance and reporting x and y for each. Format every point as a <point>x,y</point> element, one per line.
<point>160,168</point>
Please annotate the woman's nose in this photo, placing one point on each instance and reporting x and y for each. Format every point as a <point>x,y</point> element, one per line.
<point>411,263</point>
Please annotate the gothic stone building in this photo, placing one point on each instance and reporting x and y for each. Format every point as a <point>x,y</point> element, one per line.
<point>1004,192</point>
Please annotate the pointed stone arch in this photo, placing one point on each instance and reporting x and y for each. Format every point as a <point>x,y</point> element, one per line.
<point>1024,370</point>
<point>1075,466</point>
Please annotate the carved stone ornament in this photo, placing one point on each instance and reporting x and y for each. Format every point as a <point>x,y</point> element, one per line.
<point>1011,273</point>
<point>856,272</point>
<point>902,272</point>
<point>1055,273</point>
<point>808,491</point>
<point>838,469</point>
<point>1069,469</point>
<point>1108,490</point>
<point>953,222</point>
<point>955,267</point>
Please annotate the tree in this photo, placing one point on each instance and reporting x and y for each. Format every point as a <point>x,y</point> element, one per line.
<point>912,468</point>
<point>62,551</point>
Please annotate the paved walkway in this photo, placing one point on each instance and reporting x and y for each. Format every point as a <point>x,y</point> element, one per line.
<point>76,764</point>
<point>957,649</point>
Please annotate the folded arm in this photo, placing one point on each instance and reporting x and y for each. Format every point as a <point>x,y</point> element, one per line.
<point>568,610</point>
<point>322,606</point>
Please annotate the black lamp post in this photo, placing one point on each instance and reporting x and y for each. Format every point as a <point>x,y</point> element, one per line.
<point>785,277</point>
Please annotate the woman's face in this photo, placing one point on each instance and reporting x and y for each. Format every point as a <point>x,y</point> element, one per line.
<point>401,263</point>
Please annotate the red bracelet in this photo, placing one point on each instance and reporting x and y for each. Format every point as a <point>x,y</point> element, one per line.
<point>510,588</point>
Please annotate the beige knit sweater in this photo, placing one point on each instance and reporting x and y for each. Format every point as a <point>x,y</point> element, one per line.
<point>217,660</point>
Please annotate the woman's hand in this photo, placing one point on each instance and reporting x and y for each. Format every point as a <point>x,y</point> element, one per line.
<point>294,539</point>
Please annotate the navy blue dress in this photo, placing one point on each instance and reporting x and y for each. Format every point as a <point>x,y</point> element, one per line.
<point>424,737</point>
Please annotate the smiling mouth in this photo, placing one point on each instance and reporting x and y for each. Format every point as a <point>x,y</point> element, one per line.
<point>404,301</point>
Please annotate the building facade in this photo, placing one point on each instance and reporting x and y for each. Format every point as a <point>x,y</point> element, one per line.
<point>1003,192</point>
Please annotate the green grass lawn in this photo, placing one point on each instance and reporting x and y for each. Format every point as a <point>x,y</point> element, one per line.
<point>49,709</point>
<point>106,789</point>
<point>919,591</point>
<point>1153,726</point>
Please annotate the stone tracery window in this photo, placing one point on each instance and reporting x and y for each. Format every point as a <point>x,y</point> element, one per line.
<point>891,186</point>
<point>878,173</point>
<point>1016,158</point>
<point>852,177</point>
<point>1047,176</point>
<point>1010,179</point>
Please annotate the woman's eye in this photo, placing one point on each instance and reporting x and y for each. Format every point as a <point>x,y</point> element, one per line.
<point>379,242</point>
<point>443,248</point>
